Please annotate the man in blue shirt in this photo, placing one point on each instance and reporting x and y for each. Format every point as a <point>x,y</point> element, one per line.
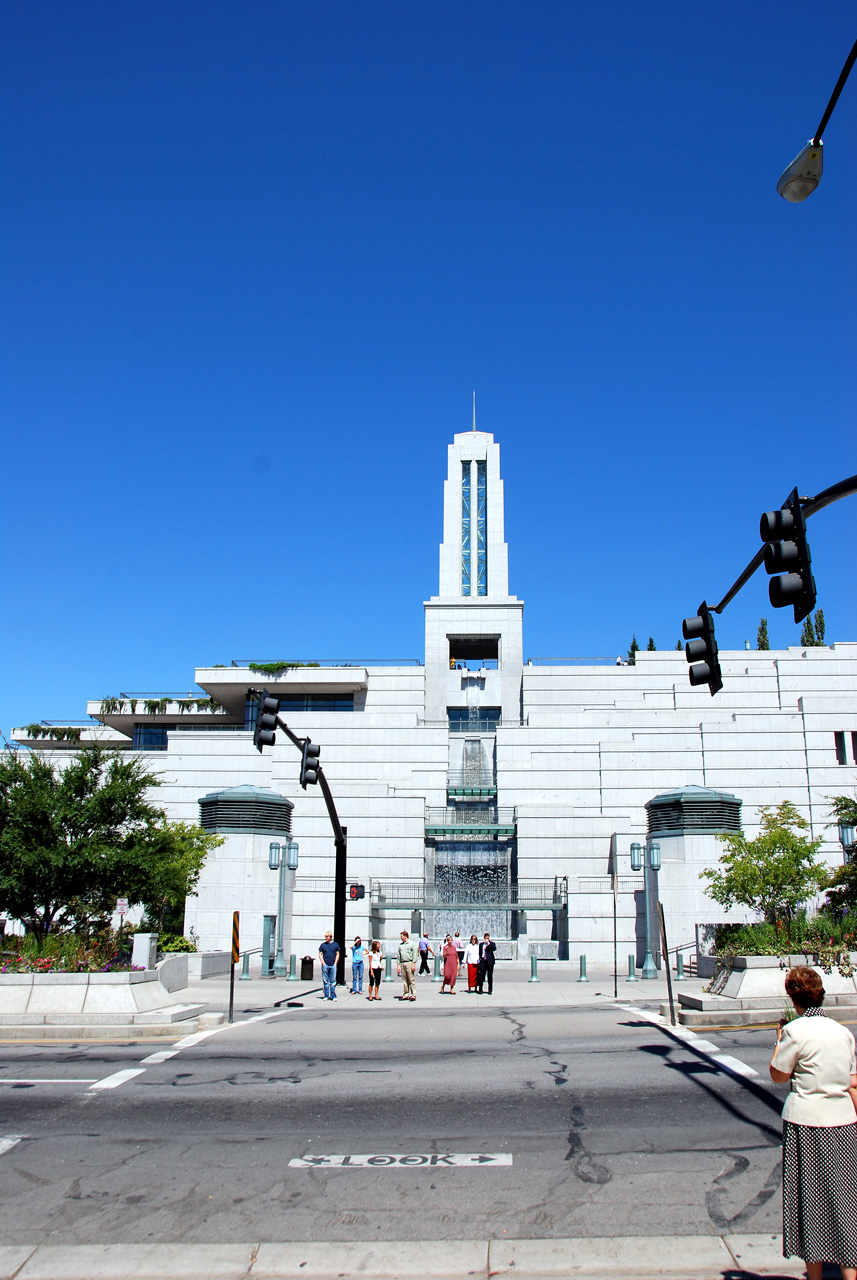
<point>328,954</point>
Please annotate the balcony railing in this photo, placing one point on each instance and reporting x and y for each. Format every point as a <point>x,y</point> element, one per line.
<point>415,895</point>
<point>327,662</point>
<point>469,784</point>
<point>470,820</point>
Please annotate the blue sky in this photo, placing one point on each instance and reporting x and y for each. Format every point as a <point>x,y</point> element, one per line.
<point>256,258</point>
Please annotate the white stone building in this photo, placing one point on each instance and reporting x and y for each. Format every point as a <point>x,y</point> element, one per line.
<point>483,790</point>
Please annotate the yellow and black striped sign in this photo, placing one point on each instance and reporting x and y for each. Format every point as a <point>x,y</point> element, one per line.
<point>236,946</point>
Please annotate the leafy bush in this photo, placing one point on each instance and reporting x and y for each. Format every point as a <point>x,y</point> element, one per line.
<point>63,953</point>
<point>830,938</point>
<point>169,942</point>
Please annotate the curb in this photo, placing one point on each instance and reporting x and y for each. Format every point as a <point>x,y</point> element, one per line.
<point>640,1257</point>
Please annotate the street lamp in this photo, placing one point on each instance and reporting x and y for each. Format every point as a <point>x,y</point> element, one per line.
<point>281,858</point>
<point>847,840</point>
<point>647,860</point>
<point>804,173</point>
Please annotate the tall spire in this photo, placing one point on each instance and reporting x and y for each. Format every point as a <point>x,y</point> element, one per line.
<point>474,410</point>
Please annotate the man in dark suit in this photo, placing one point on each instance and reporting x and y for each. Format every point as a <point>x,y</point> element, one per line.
<point>487,948</point>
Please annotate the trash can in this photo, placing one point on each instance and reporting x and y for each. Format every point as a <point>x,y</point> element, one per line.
<point>306,968</point>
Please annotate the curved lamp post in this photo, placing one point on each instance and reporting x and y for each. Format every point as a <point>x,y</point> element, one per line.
<point>281,858</point>
<point>804,173</point>
<point>647,859</point>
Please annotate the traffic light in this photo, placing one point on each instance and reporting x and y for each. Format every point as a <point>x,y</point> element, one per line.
<point>357,891</point>
<point>264,734</point>
<point>310,765</point>
<point>787,554</point>
<point>701,650</point>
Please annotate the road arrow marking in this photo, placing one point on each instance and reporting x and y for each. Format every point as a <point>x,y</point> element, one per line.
<point>10,1140</point>
<point>408,1161</point>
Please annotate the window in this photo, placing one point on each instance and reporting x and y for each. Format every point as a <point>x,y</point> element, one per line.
<point>465,528</point>
<point>854,747</point>
<point>481,528</point>
<point>473,719</point>
<point>473,652</point>
<point>317,702</point>
<point>839,740</point>
<point>150,737</point>
<point>301,702</point>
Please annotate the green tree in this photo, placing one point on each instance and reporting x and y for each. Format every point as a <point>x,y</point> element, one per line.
<point>807,635</point>
<point>775,873</point>
<point>651,647</point>
<point>819,626</point>
<point>678,644</point>
<point>633,651</point>
<point>75,837</point>
<point>842,886</point>
<point>170,867</point>
<point>762,635</point>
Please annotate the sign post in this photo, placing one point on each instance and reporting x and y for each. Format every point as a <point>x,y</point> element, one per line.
<point>122,911</point>
<point>236,955</point>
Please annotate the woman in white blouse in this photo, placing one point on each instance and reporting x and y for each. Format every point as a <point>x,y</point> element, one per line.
<point>816,1056</point>
<point>471,959</point>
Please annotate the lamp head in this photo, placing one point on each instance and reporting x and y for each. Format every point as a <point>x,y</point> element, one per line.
<point>292,855</point>
<point>654,855</point>
<point>274,855</point>
<point>803,174</point>
<point>636,857</point>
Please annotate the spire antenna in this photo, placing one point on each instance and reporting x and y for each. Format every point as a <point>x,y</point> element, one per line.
<point>474,410</point>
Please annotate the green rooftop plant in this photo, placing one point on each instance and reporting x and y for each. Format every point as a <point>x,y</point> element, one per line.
<point>275,669</point>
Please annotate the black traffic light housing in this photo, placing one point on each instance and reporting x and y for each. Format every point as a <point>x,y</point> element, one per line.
<point>264,734</point>
<point>357,891</point>
<point>701,650</point>
<point>787,555</point>
<point>310,765</point>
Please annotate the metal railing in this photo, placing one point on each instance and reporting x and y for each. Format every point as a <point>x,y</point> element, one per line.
<point>415,895</point>
<point>568,662</point>
<point>471,815</point>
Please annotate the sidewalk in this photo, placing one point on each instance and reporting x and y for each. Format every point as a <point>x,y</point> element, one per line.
<point>630,1257</point>
<point>558,985</point>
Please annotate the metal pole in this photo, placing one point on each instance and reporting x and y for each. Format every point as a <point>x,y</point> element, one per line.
<point>583,977</point>
<point>280,959</point>
<point>236,951</point>
<point>632,976</point>
<point>615,943</point>
<point>245,968</point>
<point>666,955</point>
<point>534,968</point>
<point>649,967</point>
<point>388,969</point>
<point>679,966</point>
<point>293,969</point>
<point>436,975</point>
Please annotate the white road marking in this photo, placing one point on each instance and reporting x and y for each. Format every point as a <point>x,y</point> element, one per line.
<point>10,1140</point>
<point>58,1080</point>
<point>118,1077</point>
<point>161,1056</point>
<point>477,1159</point>
<point>707,1048</point>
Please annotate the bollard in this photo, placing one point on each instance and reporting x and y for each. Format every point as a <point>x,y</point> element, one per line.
<point>245,968</point>
<point>388,969</point>
<point>632,977</point>
<point>293,969</point>
<point>583,977</point>
<point>534,969</point>
<point>436,975</point>
<point>679,966</point>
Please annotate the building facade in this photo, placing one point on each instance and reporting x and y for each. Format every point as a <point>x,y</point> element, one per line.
<point>482,789</point>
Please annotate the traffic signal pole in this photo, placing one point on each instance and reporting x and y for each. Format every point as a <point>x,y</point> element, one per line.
<point>340,841</point>
<point>809,507</point>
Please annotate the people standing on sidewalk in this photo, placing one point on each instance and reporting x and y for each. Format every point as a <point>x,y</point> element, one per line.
<point>328,954</point>
<point>425,952</point>
<point>375,958</point>
<point>450,966</point>
<point>471,959</point>
<point>358,952</point>
<point>816,1056</point>
<point>406,963</point>
<point>487,953</point>
<point>459,948</point>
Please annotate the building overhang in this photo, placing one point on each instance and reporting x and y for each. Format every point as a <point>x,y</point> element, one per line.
<point>229,685</point>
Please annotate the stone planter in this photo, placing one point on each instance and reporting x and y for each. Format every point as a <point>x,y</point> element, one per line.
<point>757,983</point>
<point>84,998</point>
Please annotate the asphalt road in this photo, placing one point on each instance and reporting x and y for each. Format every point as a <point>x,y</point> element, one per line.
<point>614,1126</point>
